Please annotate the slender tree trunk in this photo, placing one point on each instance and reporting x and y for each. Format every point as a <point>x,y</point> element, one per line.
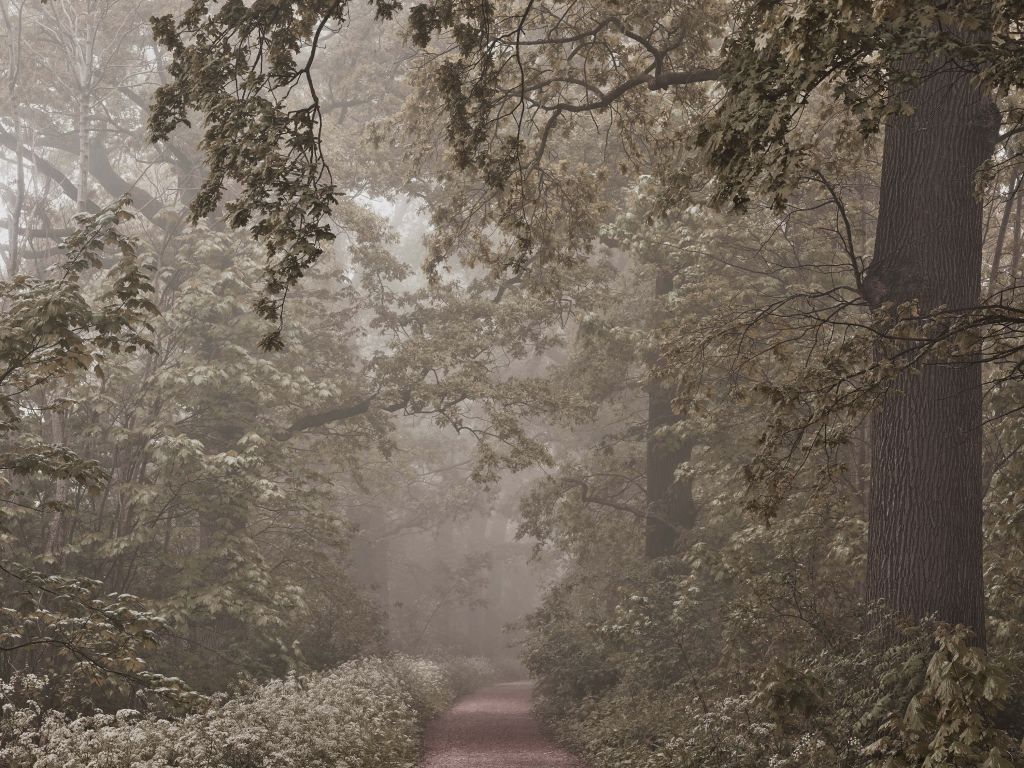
<point>14,36</point>
<point>925,519</point>
<point>84,139</point>
<point>1004,223</point>
<point>670,505</point>
<point>18,204</point>
<point>441,617</point>
<point>1015,260</point>
<point>492,639</point>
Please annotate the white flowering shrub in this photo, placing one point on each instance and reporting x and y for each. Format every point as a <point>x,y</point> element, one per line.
<point>427,682</point>
<point>363,714</point>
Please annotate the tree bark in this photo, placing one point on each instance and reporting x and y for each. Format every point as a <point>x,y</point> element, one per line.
<point>670,505</point>
<point>925,514</point>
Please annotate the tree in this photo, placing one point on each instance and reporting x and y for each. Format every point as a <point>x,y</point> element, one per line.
<point>925,551</point>
<point>670,505</point>
<point>925,512</point>
<point>64,328</point>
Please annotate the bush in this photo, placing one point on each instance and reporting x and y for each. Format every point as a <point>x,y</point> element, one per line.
<point>427,683</point>
<point>889,696</point>
<point>364,714</point>
<point>467,673</point>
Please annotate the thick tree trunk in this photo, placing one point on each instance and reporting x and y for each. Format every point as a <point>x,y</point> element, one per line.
<point>670,505</point>
<point>925,519</point>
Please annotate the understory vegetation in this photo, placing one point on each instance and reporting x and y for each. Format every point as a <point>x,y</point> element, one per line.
<point>703,662</point>
<point>368,712</point>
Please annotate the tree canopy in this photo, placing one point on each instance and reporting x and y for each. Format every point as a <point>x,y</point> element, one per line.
<point>685,337</point>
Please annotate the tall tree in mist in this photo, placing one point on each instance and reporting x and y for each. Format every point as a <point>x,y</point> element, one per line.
<point>925,73</point>
<point>671,509</point>
<point>925,535</point>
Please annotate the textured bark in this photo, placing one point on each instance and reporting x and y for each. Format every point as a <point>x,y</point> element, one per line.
<point>925,518</point>
<point>670,505</point>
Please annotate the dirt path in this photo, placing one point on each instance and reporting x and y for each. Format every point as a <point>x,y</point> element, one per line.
<point>493,728</point>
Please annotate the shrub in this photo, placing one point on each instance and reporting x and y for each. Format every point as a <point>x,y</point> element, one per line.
<point>915,696</point>
<point>427,683</point>
<point>467,673</point>
<point>363,714</point>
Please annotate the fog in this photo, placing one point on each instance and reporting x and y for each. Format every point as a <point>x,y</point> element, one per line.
<point>510,382</point>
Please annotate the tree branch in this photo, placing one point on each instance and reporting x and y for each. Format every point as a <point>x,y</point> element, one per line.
<point>341,413</point>
<point>655,82</point>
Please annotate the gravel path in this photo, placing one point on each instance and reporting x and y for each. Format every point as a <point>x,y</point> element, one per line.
<point>493,728</point>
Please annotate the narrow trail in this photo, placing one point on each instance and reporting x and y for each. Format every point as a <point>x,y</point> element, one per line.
<point>493,728</point>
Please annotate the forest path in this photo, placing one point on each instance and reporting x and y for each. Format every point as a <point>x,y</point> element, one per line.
<point>493,728</point>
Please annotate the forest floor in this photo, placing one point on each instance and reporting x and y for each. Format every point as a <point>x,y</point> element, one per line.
<point>493,728</point>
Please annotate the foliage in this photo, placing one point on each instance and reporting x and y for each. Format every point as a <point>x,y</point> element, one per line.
<point>61,330</point>
<point>782,60</point>
<point>95,642</point>
<point>192,476</point>
<point>238,67</point>
<point>661,687</point>
<point>467,673</point>
<point>578,146</point>
<point>427,683</point>
<point>209,487</point>
<point>949,720</point>
<point>363,713</point>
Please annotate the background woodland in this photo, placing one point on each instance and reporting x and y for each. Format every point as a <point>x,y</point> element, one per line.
<point>675,345</point>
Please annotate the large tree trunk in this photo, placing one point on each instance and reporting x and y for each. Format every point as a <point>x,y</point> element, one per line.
<point>670,505</point>
<point>925,519</point>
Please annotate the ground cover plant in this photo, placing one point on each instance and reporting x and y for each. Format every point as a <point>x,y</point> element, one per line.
<point>368,712</point>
